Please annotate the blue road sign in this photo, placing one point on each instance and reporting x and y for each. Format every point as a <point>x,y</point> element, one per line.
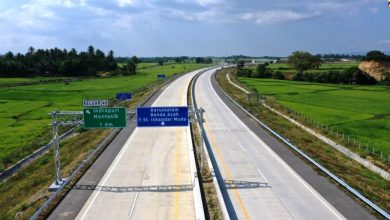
<point>162,116</point>
<point>161,76</point>
<point>123,96</point>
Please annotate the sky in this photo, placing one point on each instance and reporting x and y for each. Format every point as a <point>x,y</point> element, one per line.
<point>196,27</point>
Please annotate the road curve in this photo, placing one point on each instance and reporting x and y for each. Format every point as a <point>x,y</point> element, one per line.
<point>259,183</point>
<point>153,176</point>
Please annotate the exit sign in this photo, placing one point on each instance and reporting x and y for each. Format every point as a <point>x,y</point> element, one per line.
<point>105,117</point>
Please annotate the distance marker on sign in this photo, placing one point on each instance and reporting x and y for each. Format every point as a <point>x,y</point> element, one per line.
<point>105,117</point>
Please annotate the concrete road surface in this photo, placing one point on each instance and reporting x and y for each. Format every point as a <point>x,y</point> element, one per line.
<point>152,177</point>
<point>259,183</point>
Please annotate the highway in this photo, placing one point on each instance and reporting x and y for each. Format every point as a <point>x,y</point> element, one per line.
<point>259,183</point>
<point>153,176</point>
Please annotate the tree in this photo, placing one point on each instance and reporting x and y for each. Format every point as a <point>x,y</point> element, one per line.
<point>376,55</point>
<point>240,64</point>
<point>31,51</point>
<point>135,60</point>
<point>278,75</point>
<point>302,61</point>
<point>91,51</point>
<point>262,71</point>
<point>161,62</point>
<point>56,62</point>
<point>9,55</point>
<point>131,67</point>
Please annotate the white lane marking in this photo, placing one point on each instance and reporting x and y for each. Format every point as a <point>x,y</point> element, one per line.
<point>250,160</point>
<point>307,186</point>
<point>133,206</point>
<point>143,176</point>
<point>117,159</point>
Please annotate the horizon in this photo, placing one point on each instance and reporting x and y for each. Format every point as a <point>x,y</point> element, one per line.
<point>196,27</point>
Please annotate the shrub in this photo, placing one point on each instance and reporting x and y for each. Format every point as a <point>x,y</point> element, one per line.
<point>278,75</point>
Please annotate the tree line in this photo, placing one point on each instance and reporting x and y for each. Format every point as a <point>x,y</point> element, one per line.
<point>376,55</point>
<point>56,62</point>
<point>302,61</point>
<point>352,75</point>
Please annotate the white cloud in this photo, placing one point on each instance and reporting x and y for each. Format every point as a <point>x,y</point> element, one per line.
<point>208,2</point>
<point>374,10</point>
<point>123,3</point>
<point>276,16</point>
<point>210,16</point>
<point>383,42</point>
<point>201,2</point>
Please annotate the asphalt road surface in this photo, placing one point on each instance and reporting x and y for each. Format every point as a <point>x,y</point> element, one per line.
<point>260,184</point>
<point>152,177</point>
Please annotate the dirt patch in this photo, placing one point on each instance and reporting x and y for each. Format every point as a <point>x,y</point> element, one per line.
<point>375,69</point>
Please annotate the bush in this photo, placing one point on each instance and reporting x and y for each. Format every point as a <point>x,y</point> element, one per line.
<point>351,75</point>
<point>278,75</point>
<point>245,73</point>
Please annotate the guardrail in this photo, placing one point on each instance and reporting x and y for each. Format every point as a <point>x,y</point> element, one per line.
<point>217,177</point>
<point>94,153</point>
<point>39,152</point>
<point>323,169</point>
<point>21,163</point>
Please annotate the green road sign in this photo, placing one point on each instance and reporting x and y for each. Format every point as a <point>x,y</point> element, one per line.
<point>105,117</point>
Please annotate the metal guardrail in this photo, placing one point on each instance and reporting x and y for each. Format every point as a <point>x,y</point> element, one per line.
<point>34,155</point>
<point>102,144</point>
<point>70,178</point>
<point>323,169</point>
<point>217,177</point>
<point>21,163</point>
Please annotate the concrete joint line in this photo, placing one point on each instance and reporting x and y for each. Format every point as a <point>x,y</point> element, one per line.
<point>311,160</point>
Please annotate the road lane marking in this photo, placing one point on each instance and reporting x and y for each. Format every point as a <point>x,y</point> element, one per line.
<point>111,169</point>
<point>177,164</point>
<point>227,171</point>
<point>280,160</point>
<point>177,153</point>
<point>225,167</point>
<point>143,176</point>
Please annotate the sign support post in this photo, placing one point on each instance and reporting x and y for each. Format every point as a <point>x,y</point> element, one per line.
<point>56,150</point>
<point>58,181</point>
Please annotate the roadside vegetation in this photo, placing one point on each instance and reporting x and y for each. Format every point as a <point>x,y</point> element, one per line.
<point>370,184</point>
<point>209,194</point>
<point>302,66</point>
<point>360,114</point>
<point>24,192</point>
<point>56,62</point>
<point>24,119</point>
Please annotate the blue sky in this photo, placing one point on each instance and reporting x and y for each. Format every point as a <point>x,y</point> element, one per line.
<point>196,27</point>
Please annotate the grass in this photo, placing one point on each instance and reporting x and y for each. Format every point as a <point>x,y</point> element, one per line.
<point>23,193</point>
<point>24,110</point>
<point>14,81</point>
<point>362,112</point>
<point>210,199</point>
<point>365,181</point>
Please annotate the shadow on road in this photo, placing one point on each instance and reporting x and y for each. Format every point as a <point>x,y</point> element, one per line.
<point>123,189</point>
<point>236,184</point>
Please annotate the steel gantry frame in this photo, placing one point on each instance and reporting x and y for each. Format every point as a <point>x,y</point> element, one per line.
<point>58,180</point>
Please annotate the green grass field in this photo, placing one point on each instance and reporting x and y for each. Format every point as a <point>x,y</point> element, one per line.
<point>362,112</point>
<point>24,110</point>
<point>13,81</point>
